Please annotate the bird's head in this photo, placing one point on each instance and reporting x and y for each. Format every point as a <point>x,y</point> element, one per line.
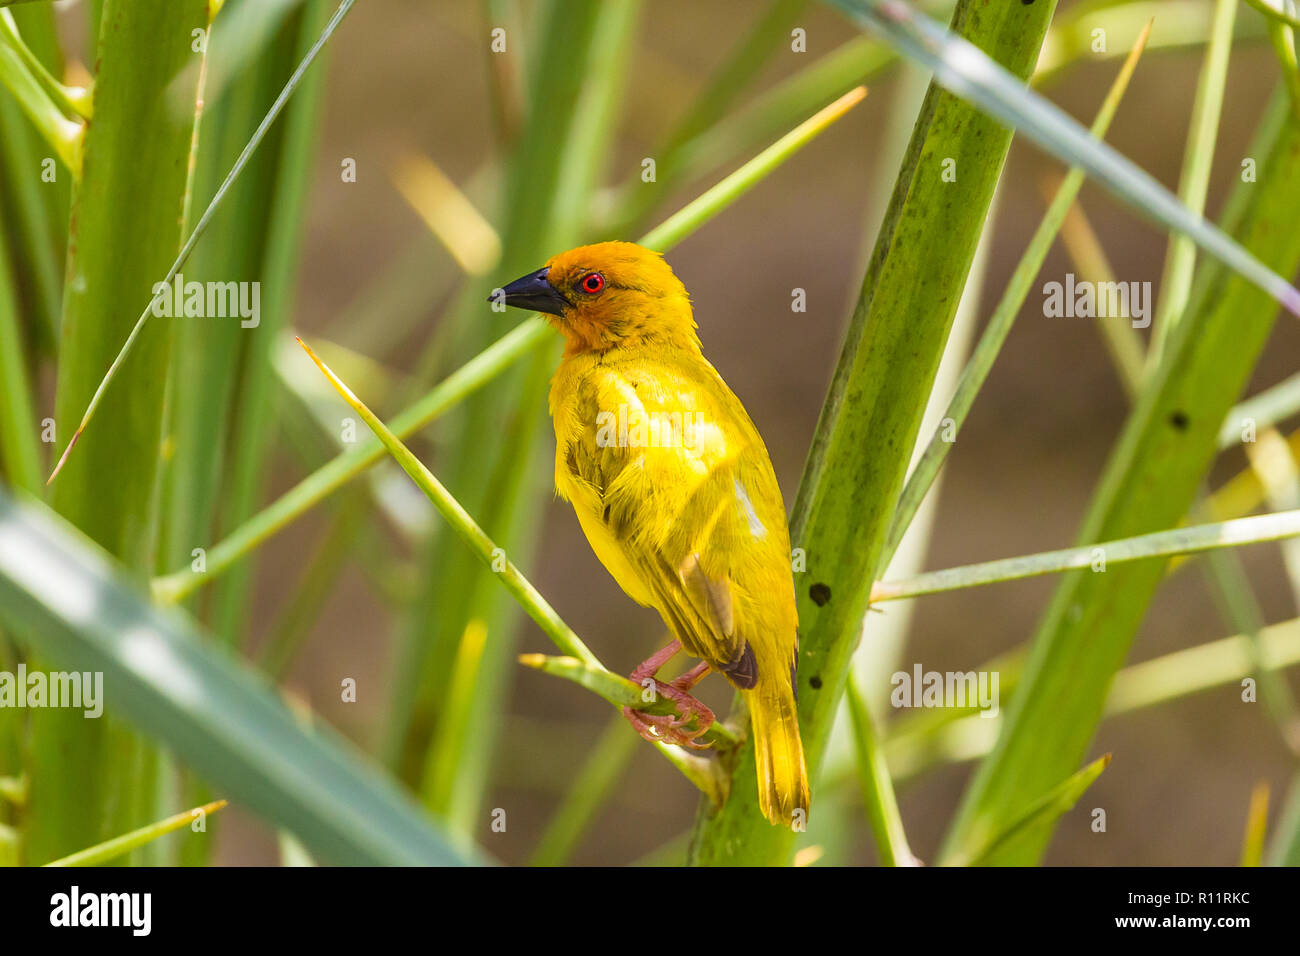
<point>606,295</point>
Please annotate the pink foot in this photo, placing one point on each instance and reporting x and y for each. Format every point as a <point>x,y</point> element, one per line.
<point>669,728</point>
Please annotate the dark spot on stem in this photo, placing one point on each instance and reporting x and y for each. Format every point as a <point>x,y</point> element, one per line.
<point>815,683</point>
<point>820,594</point>
<point>1179,420</point>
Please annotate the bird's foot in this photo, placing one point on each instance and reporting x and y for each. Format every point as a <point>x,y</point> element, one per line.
<point>672,728</point>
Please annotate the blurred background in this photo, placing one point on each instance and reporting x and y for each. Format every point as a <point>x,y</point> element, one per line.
<point>410,81</point>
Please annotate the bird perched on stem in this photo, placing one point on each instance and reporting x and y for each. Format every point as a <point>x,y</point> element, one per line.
<point>674,490</point>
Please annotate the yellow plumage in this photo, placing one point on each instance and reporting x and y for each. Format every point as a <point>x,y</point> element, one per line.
<point>673,487</point>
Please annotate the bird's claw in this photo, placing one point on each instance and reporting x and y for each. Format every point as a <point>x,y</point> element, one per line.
<point>669,728</point>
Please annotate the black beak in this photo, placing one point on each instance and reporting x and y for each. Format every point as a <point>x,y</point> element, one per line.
<point>534,293</point>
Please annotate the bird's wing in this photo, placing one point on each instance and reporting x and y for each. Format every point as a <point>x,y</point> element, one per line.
<point>690,504</point>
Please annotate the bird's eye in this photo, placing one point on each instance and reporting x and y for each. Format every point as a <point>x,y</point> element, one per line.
<point>592,283</point>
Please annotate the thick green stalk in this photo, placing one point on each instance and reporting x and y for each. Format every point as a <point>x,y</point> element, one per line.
<point>20,461</point>
<point>877,398</point>
<point>127,217</point>
<point>1149,484</point>
<point>36,211</point>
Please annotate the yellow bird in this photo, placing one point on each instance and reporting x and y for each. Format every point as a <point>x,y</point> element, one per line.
<point>673,487</point>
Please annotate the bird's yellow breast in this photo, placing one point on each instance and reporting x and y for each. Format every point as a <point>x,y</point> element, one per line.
<point>659,459</point>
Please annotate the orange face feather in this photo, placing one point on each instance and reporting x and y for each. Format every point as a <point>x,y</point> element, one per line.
<point>611,293</point>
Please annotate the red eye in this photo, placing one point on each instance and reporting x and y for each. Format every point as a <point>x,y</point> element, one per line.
<point>593,282</point>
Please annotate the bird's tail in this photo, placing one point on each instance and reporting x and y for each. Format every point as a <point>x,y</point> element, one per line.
<point>778,752</point>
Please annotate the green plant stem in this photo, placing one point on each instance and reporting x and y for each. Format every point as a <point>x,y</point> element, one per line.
<point>877,787</point>
<point>1282,36</point>
<point>1099,557</point>
<point>1194,180</point>
<point>1281,11</point>
<point>1284,849</point>
<point>36,218</point>
<point>21,73</point>
<point>120,846</point>
<point>72,101</point>
<point>452,511</point>
<point>1270,407</point>
<point>252,423</point>
<point>19,448</point>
